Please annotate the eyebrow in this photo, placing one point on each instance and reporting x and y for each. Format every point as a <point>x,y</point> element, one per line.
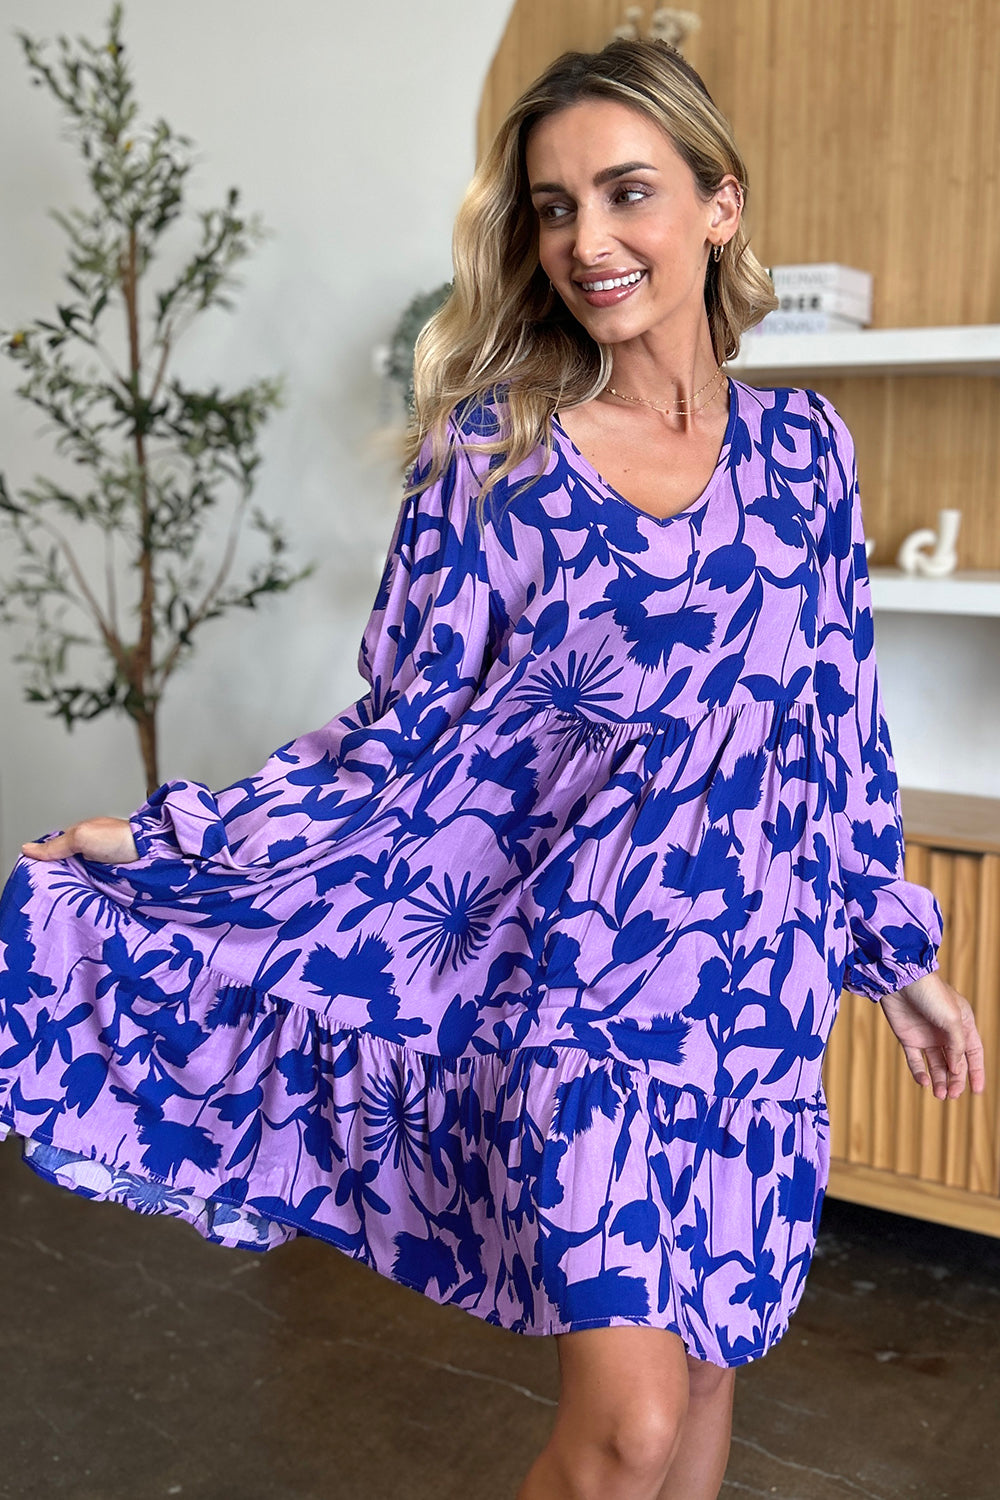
<point>608,175</point>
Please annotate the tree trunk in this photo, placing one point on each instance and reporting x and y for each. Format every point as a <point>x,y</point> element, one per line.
<point>142,655</point>
<point>145,726</point>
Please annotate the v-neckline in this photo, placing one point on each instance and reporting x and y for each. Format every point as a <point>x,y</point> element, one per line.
<point>696,504</point>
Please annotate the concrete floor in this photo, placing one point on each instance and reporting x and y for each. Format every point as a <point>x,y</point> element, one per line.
<point>142,1362</point>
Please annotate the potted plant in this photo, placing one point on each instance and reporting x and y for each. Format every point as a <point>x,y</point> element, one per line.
<point>116,573</point>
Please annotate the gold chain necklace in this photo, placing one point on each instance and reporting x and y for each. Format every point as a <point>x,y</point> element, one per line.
<point>668,410</point>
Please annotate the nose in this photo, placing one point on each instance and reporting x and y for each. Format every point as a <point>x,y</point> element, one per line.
<point>593,241</point>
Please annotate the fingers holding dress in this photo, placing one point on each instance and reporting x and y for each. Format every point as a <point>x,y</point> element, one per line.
<point>103,840</point>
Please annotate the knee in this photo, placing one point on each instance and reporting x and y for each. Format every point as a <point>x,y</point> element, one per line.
<point>641,1442</point>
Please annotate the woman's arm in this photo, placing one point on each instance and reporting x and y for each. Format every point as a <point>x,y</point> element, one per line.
<point>895,925</point>
<point>424,653</point>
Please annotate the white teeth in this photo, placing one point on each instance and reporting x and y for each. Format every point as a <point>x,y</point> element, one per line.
<point>606,286</point>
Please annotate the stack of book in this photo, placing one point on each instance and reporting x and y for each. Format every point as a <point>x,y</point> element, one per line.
<point>818,298</point>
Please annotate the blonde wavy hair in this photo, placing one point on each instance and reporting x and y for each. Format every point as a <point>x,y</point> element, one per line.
<point>502,325</point>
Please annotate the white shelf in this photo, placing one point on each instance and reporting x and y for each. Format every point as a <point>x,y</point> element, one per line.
<point>976,592</point>
<point>969,349</point>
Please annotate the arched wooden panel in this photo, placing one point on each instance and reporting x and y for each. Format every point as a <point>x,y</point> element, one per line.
<point>870,135</point>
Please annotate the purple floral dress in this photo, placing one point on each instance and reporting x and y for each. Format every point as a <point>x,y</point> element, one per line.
<point>514,979</point>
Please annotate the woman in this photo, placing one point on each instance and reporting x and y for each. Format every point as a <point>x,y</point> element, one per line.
<point>515,979</point>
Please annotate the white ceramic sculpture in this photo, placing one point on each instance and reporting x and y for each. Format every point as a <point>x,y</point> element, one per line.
<point>628,31</point>
<point>666,23</point>
<point>869,546</point>
<point>912,558</point>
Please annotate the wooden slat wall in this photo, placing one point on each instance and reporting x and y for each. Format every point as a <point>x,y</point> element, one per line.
<point>882,1122</point>
<point>870,136</point>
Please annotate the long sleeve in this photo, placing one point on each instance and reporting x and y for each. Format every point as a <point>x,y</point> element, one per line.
<point>424,654</point>
<point>894,925</point>
<point>429,633</point>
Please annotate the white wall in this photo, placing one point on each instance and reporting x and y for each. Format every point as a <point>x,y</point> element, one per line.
<point>940,678</point>
<point>350,128</point>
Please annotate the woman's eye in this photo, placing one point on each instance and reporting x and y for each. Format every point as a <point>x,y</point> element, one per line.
<point>552,211</point>
<point>633,195</point>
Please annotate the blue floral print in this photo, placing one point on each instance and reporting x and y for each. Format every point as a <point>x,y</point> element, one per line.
<point>514,979</point>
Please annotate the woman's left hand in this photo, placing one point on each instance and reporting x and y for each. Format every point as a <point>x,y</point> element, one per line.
<point>937,1032</point>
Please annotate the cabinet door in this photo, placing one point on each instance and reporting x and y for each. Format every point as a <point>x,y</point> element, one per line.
<point>893,1144</point>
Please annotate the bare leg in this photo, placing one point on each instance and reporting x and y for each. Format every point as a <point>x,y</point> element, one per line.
<point>622,1403</point>
<point>699,1464</point>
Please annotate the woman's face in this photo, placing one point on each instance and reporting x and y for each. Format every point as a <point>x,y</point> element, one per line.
<point>615,201</point>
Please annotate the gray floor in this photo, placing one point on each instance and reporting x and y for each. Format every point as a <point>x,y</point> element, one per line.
<point>141,1362</point>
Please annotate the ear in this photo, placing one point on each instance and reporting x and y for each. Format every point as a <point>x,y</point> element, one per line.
<point>727,205</point>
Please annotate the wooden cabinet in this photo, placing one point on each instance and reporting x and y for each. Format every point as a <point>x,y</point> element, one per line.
<point>895,1146</point>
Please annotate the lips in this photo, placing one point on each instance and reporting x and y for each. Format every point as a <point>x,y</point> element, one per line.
<point>601,294</point>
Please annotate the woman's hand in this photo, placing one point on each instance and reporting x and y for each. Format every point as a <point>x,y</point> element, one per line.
<point>107,841</point>
<point>937,1031</point>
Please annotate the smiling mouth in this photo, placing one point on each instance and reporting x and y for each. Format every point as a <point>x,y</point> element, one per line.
<point>612,283</point>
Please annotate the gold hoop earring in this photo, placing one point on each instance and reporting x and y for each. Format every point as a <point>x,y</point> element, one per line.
<point>717,251</point>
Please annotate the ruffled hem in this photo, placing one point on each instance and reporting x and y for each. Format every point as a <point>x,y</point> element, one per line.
<point>216,1219</point>
<point>222,1223</point>
<point>544,1190</point>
